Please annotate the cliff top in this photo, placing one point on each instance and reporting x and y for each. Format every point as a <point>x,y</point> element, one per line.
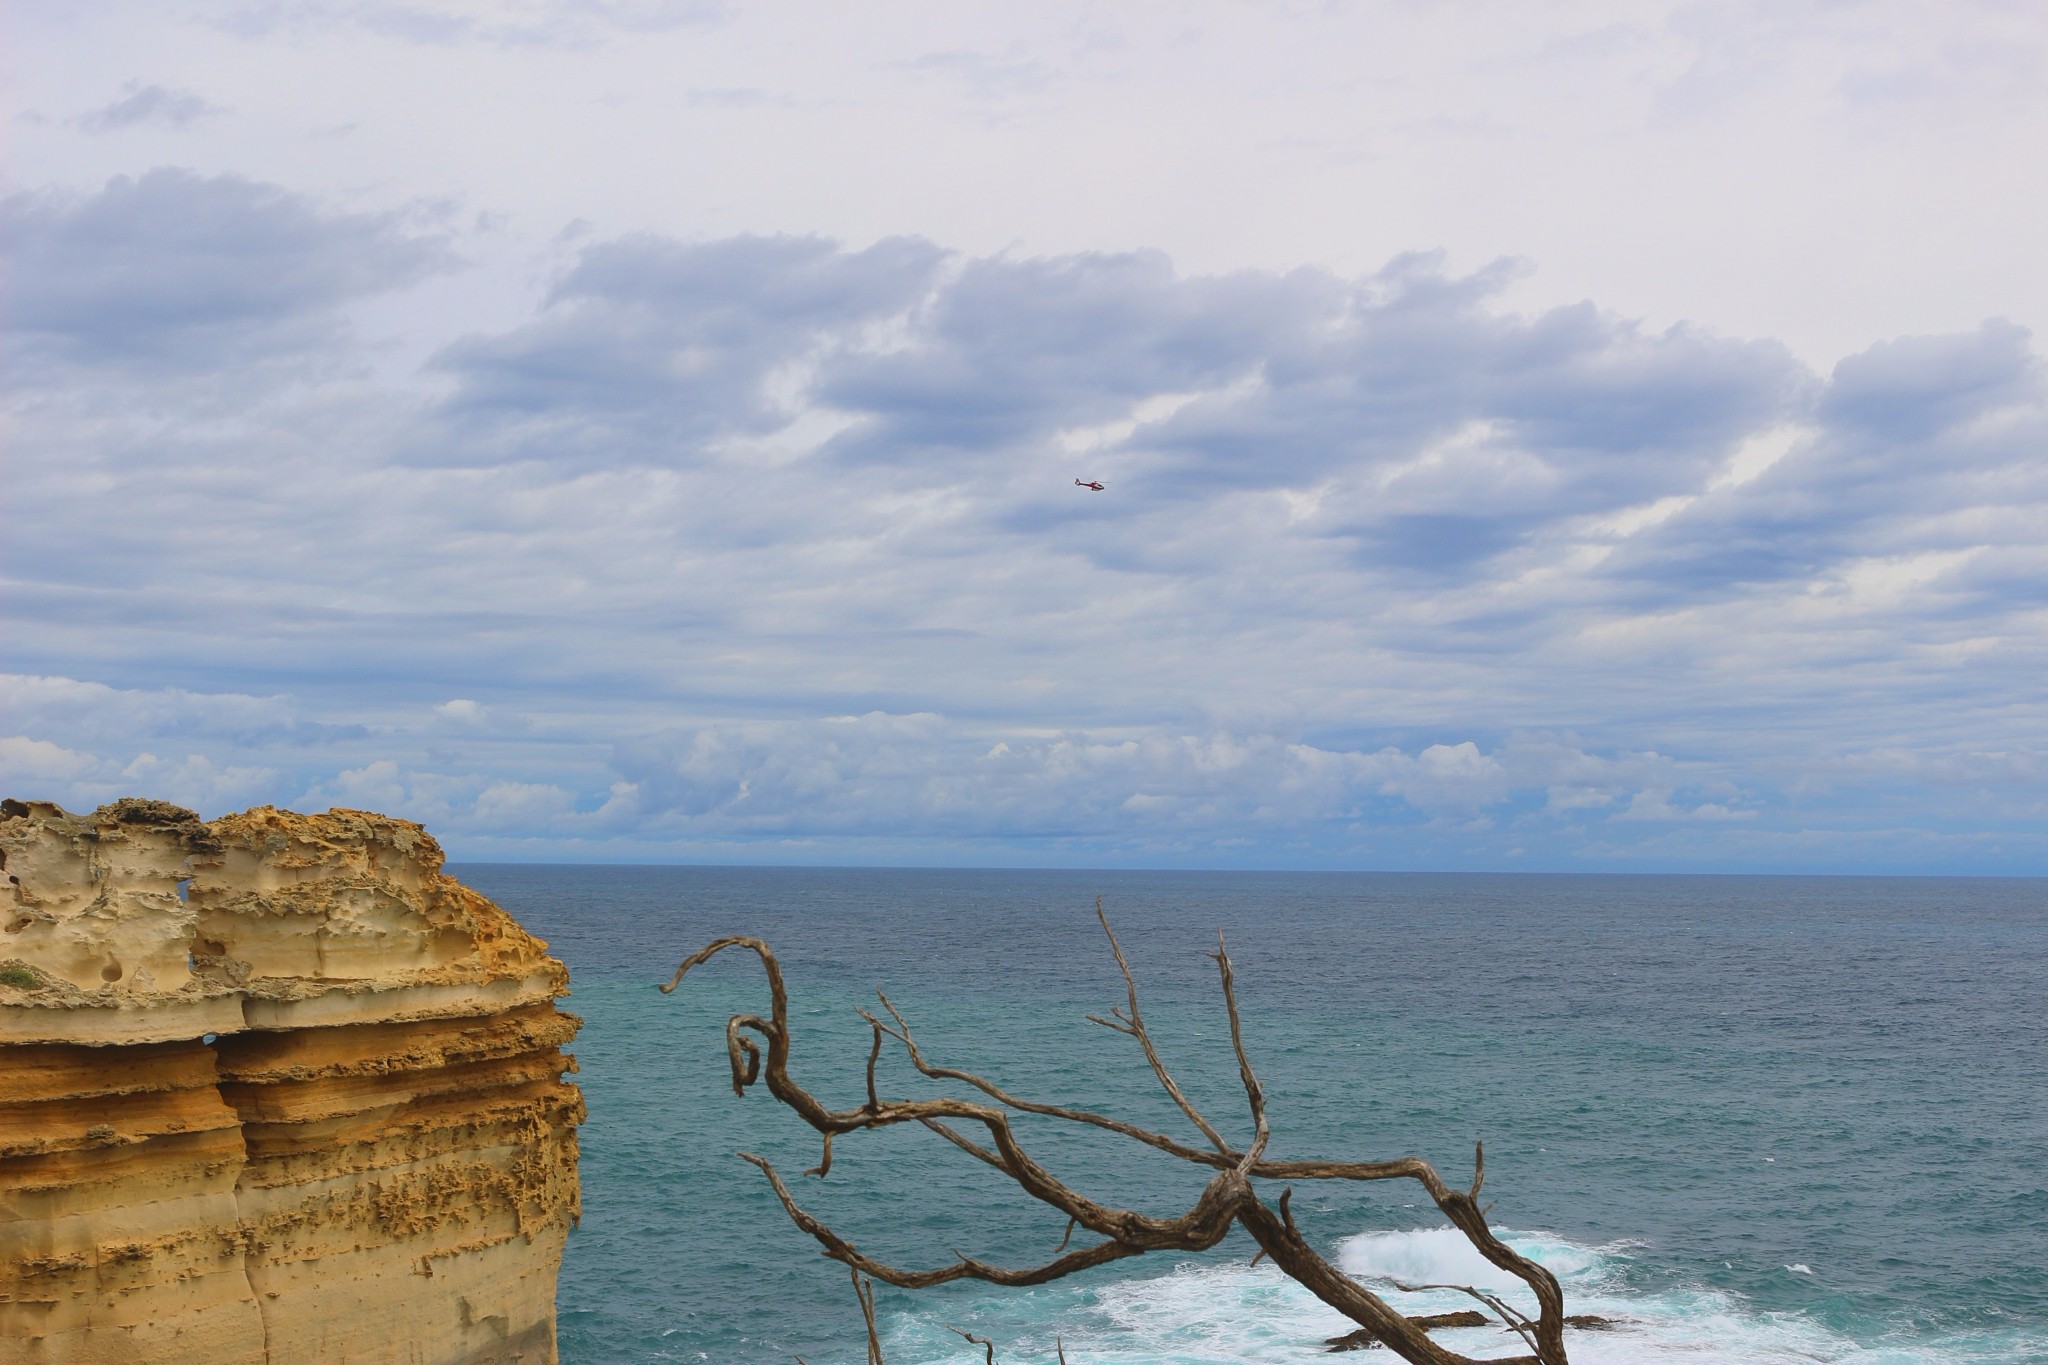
<point>140,922</point>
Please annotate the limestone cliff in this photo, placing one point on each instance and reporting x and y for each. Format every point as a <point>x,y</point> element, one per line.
<point>273,1089</point>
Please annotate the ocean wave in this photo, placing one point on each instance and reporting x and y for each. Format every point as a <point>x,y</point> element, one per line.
<point>1211,1314</point>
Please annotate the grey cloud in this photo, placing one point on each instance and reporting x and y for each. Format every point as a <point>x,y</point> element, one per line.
<point>649,347</point>
<point>1571,411</point>
<point>1920,444</point>
<point>1435,431</point>
<point>1010,351</point>
<point>595,582</point>
<point>149,104</point>
<point>173,272</point>
<point>1915,388</point>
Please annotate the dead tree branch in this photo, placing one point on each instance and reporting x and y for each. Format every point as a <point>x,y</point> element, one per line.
<point>1517,1321</point>
<point>758,1051</point>
<point>864,1290</point>
<point>984,1342</point>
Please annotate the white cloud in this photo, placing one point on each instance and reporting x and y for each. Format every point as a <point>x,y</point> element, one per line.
<point>1450,779</point>
<point>517,806</point>
<point>197,782</point>
<point>42,770</point>
<point>925,774</point>
<point>37,760</point>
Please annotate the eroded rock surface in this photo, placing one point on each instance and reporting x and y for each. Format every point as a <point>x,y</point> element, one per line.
<point>273,1089</point>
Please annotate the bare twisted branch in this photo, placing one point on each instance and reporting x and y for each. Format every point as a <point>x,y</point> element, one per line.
<point>1228,1199</point>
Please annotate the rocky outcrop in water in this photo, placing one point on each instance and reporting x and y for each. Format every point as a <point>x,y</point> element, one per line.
<point>273,1089</point>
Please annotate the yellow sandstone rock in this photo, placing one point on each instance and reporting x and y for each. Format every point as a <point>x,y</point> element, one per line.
<point>273,1089</point>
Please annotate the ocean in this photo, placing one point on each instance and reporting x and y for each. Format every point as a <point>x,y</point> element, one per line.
<point>1752,1119</point>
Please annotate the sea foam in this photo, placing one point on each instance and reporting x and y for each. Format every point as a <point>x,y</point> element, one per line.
<point>1209,1314</point>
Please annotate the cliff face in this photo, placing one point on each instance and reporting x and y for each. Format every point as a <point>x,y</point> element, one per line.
<point>273,1089</point>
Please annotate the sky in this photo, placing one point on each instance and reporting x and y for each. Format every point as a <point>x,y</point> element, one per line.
<point>1552,436</point>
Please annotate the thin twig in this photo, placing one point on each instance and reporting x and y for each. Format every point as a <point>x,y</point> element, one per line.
<point>901,1033</point>
<point>1254,1092</point>
<point>978,1341</point>
<point>1517,1321</point>
<point>1114,1025</point>
<point>874,1052</point>
<point>962,1268</point>
<point>1137,1030</point>
<point>865,1292</point>
<point>824,1166</point>
<point>967,1144</point>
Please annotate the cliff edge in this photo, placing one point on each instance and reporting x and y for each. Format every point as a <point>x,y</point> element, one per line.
<point>273,1089</point>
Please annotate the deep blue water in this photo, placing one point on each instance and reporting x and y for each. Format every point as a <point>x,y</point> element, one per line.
<point>1759,1118</point>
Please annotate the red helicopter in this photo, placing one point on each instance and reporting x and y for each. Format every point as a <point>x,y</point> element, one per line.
<point>1090,483</point>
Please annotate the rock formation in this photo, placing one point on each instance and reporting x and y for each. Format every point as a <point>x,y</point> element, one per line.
<point>273,1089</point>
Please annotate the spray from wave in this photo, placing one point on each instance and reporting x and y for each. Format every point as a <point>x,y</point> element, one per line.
<point>1215,1314</point>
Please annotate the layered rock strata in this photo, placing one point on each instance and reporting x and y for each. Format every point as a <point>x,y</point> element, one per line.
<point>273,1089</point>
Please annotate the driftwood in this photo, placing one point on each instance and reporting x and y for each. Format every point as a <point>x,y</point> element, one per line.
<point>1229,1197</point>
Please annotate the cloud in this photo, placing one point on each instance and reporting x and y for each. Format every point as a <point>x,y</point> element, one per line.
<point>876,774</point>
<point>96,714</point>
<point>723,543</point>
<point>196,781</point>
<point>1011,351</point>
<point>896,774</point>
<point>1657,805</point>
<point>1913,388</point>
<point>986,76</point>
<point>144,105</point>
<point>738,97</point>
<point>1451,779</point>
<point>41,770</point>
<point>651,349</point>
<point>1427,431</point>
<point>175,272</point>
<point>38,760</point>
<point>1921,445</point>
<point>577,24</point>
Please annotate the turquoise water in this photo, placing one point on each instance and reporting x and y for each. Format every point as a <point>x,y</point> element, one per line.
<point>1758,1119</point>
